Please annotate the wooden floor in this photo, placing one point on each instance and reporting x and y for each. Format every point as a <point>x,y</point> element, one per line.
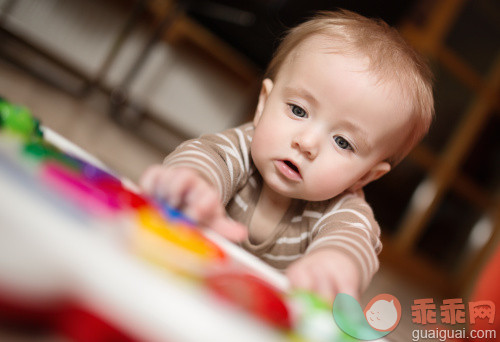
<point>86,123</point>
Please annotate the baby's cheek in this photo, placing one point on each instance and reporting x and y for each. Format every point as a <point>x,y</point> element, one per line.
<point>322,187</point>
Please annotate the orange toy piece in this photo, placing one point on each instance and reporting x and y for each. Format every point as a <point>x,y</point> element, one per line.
<point>174,244</point>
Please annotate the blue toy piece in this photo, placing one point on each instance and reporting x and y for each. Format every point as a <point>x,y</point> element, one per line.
<point>173,214</point>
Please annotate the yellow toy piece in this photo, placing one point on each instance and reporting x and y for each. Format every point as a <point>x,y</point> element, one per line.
<point>174,244</point>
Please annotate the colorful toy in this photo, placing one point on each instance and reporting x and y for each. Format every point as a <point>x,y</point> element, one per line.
<point>157,232</point>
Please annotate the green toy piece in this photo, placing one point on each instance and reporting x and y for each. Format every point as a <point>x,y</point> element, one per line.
<point>313,319</point>
<point>17,119</point>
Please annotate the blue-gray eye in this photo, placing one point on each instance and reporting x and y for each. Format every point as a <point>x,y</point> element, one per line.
<point>297,111</point>
<point>342,143</point>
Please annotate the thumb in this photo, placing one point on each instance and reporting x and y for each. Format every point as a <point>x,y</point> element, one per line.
<point>229,228</point>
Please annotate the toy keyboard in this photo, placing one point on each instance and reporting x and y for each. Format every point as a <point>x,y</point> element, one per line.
<point>72,231</point>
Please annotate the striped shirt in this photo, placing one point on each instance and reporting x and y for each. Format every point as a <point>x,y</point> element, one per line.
<point>345,223</point>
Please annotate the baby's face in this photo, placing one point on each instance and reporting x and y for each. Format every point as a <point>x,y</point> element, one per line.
<point>325,125</point>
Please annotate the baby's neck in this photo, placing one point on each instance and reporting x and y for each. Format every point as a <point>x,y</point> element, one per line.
<point>270,198</point>
<point>268,213</point>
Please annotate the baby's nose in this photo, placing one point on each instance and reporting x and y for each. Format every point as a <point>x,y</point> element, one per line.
<point>307,142</point>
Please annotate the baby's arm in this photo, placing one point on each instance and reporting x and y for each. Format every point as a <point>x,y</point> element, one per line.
<point>326,272</point>
<point>202,175</point>
<point>342,257</point>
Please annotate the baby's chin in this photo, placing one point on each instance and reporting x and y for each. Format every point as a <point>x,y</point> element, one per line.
<point>303,195</point>
<point>317,196</point>
<point>300,191</point>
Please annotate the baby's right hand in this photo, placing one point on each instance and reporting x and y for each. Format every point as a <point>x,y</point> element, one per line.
<point>186,190</point>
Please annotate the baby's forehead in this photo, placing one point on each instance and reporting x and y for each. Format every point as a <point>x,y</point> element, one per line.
<point>326,45</point>
<point>324,41</point>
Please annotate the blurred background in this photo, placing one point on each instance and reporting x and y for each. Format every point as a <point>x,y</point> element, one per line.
<point>129,80</point>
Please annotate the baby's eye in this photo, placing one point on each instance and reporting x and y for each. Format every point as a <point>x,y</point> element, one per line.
<point>342,143</point>
<point>298,111</point>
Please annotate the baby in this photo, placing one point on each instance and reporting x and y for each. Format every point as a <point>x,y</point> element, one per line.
<point>343,100</point>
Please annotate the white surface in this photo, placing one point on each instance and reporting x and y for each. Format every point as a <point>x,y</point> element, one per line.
<point>67,146</point>
<point>263,270</point>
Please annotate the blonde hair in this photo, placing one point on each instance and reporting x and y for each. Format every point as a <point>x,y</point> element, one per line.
<point>391,59</point>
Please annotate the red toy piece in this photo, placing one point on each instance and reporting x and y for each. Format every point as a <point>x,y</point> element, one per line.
<point>254,295</point>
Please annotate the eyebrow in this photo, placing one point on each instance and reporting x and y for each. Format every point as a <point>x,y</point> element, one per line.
<point>359,134</point>
<point>303,93</point>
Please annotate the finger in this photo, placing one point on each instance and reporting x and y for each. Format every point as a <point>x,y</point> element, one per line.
<point>202,203</point>
<point>155,180</point>
<point>180,184</point>
<point>325,285</point>
<point>149,178</point>
<point>169,185</point>
<point>230,229</point>
<point>299,276</point>
<point>348,289</point>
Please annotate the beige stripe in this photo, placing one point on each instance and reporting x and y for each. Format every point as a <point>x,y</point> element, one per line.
<point>358,214</point>
<point>355,253</point>
<point>378,245</point>
<point>230,152</point>
<point>231,149</point>
<point>230,169</point>
<point>252,182</point>
<point>281,257</point>
<point>341,201</point>
<point>293,240</point>
<point>202,153</point>
<point>361,227</point>
<point>244,148</point>
<point>368,241</point>
<point>203,167</point>
<point>333,210</point>
<point>241,203</point>
<point>339,211</point>
<point>367,249</point>
<point>196,152</point>
<point>356,225</point>
<point>363,250</point>
<point>313,214</point>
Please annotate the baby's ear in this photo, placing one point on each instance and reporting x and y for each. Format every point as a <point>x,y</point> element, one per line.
<point>265,90</point>
<point>375,173</point>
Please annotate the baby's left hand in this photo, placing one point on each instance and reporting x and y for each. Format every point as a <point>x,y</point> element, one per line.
<point>327,273</point>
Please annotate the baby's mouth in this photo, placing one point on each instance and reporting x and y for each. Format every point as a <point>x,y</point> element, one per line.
<point>288,169</point>
<point>292,166</point>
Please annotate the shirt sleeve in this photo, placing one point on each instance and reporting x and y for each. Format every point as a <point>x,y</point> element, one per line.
<point>222,158</point>
<point>349,225</point>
